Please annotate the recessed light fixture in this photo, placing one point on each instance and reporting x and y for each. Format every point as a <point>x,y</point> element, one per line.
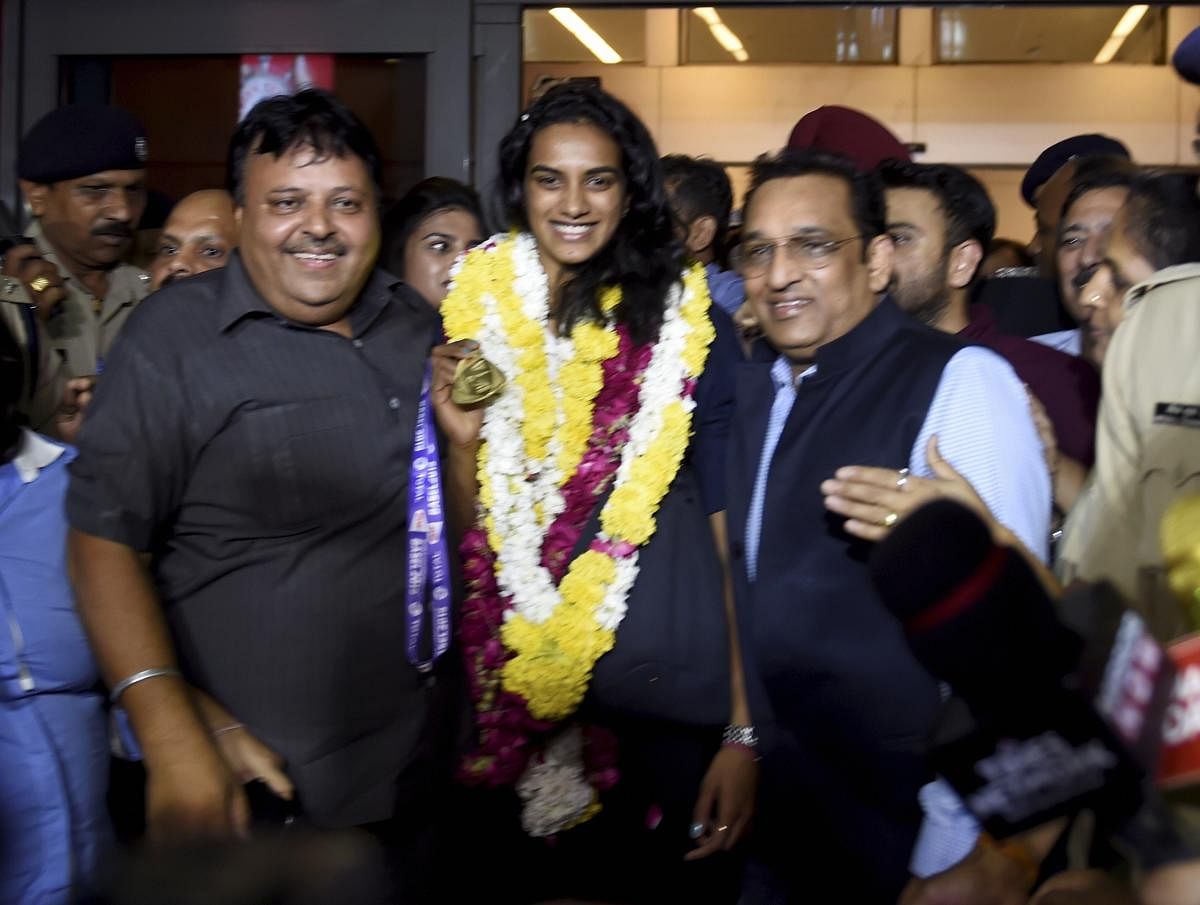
<point>587,36</point>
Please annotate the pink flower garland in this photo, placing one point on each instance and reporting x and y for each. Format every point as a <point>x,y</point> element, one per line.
<point>508,735</point>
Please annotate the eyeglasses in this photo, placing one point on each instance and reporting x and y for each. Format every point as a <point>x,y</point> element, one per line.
<point>754,258</point>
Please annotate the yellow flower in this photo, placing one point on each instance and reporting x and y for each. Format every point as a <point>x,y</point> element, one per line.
<point>552,662</point>
<point>462,310</point>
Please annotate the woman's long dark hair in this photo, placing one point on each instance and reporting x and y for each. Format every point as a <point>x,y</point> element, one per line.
<point>429,196</point>
<point>643,257</point>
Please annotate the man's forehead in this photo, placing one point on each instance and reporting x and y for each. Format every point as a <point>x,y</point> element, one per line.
<point>189,224</point>
<point>302,164</point>
<point>303,154</point>
<point>1098,203</point>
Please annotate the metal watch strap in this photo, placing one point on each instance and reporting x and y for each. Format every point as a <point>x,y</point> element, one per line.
<point>740,735</point>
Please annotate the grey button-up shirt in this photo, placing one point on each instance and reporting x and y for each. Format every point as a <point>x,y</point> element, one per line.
<point>265,465</point>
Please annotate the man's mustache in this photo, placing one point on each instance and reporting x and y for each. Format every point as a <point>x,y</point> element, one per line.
<point>316,248</point>
<point>120,230</point>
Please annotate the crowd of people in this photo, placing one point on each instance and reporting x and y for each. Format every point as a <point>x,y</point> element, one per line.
<point>537,567</point>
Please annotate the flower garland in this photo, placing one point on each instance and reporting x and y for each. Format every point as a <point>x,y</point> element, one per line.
<point>532,632</point>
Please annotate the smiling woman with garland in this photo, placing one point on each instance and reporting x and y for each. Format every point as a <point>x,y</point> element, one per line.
<point>595,626</point>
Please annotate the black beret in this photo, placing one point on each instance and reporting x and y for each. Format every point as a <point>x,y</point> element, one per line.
<point>1186,58</point>
<point>79,140</point>
<point>1051,160</point>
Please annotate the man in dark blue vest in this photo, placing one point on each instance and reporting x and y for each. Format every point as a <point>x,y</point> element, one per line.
<point>855,382</point>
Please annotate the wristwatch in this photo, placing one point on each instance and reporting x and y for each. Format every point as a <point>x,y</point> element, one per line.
<point>740,735</point>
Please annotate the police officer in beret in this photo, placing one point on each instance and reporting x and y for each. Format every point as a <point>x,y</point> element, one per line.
<point>82,172</point>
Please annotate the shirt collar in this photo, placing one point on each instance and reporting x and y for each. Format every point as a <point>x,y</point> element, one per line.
<point>782,376</point>
<point>1171,274</point>
<point>238,298</point>
<point>34,454</point>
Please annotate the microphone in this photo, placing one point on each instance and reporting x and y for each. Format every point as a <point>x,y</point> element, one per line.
<point>1054,712</point>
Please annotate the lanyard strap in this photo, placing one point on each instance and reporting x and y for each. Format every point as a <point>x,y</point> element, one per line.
<point>428,574</point>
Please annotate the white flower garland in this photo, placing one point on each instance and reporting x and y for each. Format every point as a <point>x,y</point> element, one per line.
<point>525,502</point>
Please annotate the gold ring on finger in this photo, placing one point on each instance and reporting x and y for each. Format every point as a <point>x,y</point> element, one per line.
<point>722,829</point>
<point>890,519</point>
<point>39,284</point>
<point>902,479</point>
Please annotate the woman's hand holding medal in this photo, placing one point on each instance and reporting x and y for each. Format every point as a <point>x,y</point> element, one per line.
<point>464,382</point>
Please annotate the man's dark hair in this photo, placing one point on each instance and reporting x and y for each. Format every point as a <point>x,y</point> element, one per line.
<point>969,212</point>
<point>429,196</point>
<point>1162,218</point>
<point>866,193</point>
<point>12,378</point>
<point>643,257</point>
<point>1095,173</point>
<point>311,118</point>
<point>699,188</point>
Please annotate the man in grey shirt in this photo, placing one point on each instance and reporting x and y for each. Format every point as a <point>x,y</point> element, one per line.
<point>254,435</point>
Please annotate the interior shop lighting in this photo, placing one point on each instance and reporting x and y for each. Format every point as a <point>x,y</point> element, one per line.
<point>587,36</point>
<point>1123,30</point>
<point>721,33</point>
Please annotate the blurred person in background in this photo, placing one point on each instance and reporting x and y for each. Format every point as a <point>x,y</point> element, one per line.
<point>941,219</point>
<point>1047,183</point>
<point>82,172</point>
<point>1148,434</point>
<point>199,235</point>
<point>54,830</point>
<point>701,200</point>
<point>427,230</point>
<point>1095,194</point>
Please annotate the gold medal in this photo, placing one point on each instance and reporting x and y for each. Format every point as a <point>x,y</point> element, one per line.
<point>476,382</point>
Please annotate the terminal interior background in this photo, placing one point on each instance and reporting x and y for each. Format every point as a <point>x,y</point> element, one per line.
<point>984,87</point>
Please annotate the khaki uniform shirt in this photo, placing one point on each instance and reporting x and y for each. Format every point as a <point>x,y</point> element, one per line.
<point>1147,445</point>
<point>43,384</point>
<point>83,329</point>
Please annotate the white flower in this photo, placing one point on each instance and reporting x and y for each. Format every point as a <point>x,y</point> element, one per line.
<point>555,792</point>
<point>522,489</point>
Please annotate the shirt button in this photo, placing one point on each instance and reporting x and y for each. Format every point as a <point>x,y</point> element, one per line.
<point>393,403</point>
<point>358,343</point>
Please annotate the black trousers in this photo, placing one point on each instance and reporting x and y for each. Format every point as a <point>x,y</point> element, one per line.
<point>615,857</point>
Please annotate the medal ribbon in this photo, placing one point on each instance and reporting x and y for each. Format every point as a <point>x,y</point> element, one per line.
<point>428,574</point>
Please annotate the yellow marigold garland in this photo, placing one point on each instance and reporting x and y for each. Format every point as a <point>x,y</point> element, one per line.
<point>553,661</point>
<point>488,270</point>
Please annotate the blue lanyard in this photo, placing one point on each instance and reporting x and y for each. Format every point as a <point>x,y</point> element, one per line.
<point>428,574</point>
